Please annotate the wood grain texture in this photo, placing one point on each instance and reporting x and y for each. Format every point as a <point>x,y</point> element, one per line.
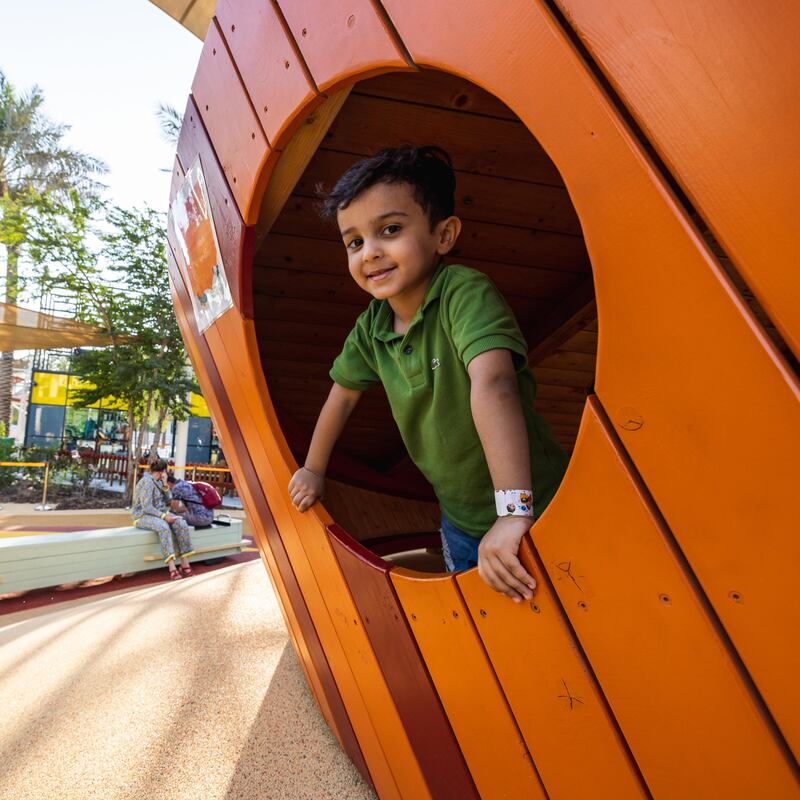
<point>235,239</point>
<point>679,348</point>
<point>490,740</point>
<point>342,41</point>
<point>713,86</point>
<point>232,124</point>
<point>557,703</point>
<point>389,757</point>
<point>304,636</point>
<point>481,145</point>
<point>270,65</point>
<point>480,197</point>
<point>667,675</point>
<point>418,704</point>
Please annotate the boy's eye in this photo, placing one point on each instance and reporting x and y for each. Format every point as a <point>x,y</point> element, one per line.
<point>393,228</point>
<point>354,244</point>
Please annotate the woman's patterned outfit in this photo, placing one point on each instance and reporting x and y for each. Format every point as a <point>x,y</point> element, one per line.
<point>196,514</point>
<point>150,505</point>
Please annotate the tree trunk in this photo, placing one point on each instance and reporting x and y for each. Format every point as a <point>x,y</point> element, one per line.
<point>162,415</point>
<point>7,359</point>
<point>130,473</point>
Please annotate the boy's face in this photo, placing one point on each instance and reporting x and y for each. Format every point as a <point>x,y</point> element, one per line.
<point>391,250</point>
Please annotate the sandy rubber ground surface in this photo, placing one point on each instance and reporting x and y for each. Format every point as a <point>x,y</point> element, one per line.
<point>175,690</point>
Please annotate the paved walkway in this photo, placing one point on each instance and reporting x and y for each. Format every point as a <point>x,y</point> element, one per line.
<point>175,690</point>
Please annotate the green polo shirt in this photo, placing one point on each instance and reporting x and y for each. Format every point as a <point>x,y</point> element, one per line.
<point>425,376</point>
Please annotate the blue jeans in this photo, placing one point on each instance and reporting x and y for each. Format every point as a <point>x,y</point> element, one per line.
<point>460,550</point>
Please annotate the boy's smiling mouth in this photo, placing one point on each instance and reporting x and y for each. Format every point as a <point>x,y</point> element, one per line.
<point>380,274</point>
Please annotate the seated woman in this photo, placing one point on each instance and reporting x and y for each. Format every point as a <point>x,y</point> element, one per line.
<point>151,512</point>
<point>196,513</point>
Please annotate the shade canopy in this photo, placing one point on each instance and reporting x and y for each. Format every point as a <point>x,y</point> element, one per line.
<point>24,329</point>
<point>194,15</point>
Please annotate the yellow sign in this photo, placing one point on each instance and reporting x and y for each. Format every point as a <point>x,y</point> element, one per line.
<point>198,406</point>
<point>58,389</point>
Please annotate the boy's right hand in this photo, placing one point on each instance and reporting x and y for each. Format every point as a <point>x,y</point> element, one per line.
<point>305,488</point>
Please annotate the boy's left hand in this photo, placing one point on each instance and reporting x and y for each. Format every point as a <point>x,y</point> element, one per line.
<point>498,564</point>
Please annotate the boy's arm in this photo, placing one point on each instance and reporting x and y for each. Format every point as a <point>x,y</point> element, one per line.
<point>498,417</point>
<point>308,483</point>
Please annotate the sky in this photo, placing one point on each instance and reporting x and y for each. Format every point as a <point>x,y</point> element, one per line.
<point>104,66</point>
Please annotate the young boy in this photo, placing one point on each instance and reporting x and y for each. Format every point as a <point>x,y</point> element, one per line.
<point>453,362</point>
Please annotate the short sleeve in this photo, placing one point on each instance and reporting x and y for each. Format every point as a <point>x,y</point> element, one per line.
<point>481,320</point>
<point>354,367</point>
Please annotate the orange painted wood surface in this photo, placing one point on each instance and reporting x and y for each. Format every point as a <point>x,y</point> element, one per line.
<point>232,124</point>
<point>678,351</point>
<point>669,678</point>
<point>417,703</point>
<point>235,239</point>
<point>558,705</point>
<point>713,86</point>
<point>272,69</point>
<point>383,741</point>
<point>342,40</point>
<point>490,740</point>
<point>305,638</point>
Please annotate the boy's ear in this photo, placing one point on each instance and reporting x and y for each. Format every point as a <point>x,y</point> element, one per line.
<point>448,231</point>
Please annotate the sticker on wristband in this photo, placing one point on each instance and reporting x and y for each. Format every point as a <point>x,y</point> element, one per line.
<point>514,502</point>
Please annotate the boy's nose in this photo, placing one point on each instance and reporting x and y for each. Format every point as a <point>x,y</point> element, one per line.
<point>371,250</point>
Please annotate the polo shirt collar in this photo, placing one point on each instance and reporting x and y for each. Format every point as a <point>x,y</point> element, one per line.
<point>383,325</point>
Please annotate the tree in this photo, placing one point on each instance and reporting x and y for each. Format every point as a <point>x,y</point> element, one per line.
<point>33,162</point>
<point>170,120</point>
<point>125,289</point>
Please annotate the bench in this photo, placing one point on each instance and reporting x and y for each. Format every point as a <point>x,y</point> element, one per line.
<point>33,562</point>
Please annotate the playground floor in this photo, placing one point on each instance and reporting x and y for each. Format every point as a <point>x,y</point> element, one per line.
<point>178,690</point>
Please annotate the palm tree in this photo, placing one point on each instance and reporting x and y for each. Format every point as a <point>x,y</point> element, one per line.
<point>170,120</point>
<point>33,162</point>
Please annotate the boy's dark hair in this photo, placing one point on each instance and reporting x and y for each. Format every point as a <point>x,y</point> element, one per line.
<point>171,477</point>
<point>158,465</point>
<point>427,170</point>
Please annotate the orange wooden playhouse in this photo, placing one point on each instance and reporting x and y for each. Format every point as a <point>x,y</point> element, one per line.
<point>628,177</point>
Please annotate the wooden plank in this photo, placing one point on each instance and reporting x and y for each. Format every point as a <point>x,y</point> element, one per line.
<point>480,240</point>
<point>418,704</point>
<point>434,88</point>
<point>316,256</point>
<point>294,160</point>
<point>713,87</point>
<point>272,69</point>
<point>289,309</point>
<point>566,359</point>
<point>463,676</point>
<point>376,514</point>
<point>341,43</point>
<point>235,240</point>
<point>233,127</point>
<point>319,286</point>
<point>680,350</point>
<point>553,695</point>
<point>387,751</point>
<point>481,145</point>
<point>304,636</point>
<point>568,317</point>
<point>176,179</point>
<point>646,631</point>
<point>486,198</point>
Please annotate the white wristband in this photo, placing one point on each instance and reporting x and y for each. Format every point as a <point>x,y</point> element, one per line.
<point>514,502</point>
